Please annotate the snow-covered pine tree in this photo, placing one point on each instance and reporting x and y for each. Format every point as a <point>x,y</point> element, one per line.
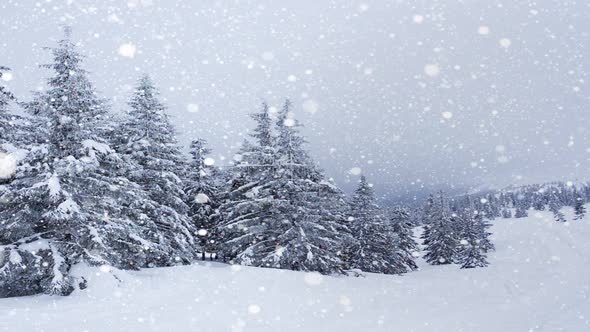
<point>490,206</point>
<point>14,129</point>
<point>506,213</point>
<point>6,124</point>
<point>405,245</point>
<point>69,202</point>
<point>374,249</point>
<point>6,137</point>
<point>472,253</point>
<point>557,214</point>
<point>148,139</point>
<point>482,230</point>
<point>416,216</point>
<point>442,240</point>
<point>579,209</point>
<point>429,214</point>
<point>247,226</point>
<point>313,210</point>
<point>294,162</point>
<point>281,213</point>
<point>314,234</point>
<point>469,214</point>
<point>539,199</point>
<point>555,205</point>
<point>256,160</point>
<point>520,212</point>
<point>201,192</point>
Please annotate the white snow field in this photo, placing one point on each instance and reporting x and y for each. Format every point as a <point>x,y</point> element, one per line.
<point>538,280</point>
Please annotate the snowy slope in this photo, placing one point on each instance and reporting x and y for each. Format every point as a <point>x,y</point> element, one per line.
<point>538,280</point>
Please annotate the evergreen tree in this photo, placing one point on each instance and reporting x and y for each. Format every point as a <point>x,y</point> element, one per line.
<point>506,213</point>
<point>555,205</point>
<point>15,131</point>
<point>148,139</point>
<point>315,233</point>
<point>442,240</point>
<point>280,212</point>
<point>6,122</point>
<point>557,214</point>
<point>429,215</point>
<point>293,160</point>
<point>201,192</point>
<point>313,208</point>
<point>70,202</point>
<point>579,209</point>
<point>481,229</point>
<point>493,210</point>
<point>539,201</point>
<point>520,212</point>
<point>416,215</point>
<point>258,160</point>
<point>405,245</point>
<point>248,227</point>
<point>473,240</point>
<point>375,247</point>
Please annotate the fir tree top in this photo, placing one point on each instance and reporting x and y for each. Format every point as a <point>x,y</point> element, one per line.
<point>199,151</point>
<point>364,195</point>
<point>152,122</point>
<point>263,132</point>
<point>70,103</point>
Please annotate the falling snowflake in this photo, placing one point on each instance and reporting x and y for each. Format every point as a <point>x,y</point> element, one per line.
<point>418,19</point>
<point>431,69</point>
<point>505,42</point>
<point>127,50</point>
<point>483,30</point>
<point>253,309</point>
<point>192,108</point>
<point>355,171</point>
<point>310,106</point>
<point>345,300</point>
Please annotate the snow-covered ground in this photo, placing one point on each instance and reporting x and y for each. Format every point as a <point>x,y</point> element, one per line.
<point>538,280</point>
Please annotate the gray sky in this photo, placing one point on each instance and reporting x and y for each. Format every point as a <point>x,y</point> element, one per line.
<point>415,94</point>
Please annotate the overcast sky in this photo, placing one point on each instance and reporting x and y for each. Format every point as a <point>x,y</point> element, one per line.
<point>417,95</point>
